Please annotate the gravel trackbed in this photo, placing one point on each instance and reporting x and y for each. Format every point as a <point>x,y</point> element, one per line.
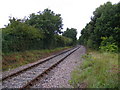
<point>60,75</point>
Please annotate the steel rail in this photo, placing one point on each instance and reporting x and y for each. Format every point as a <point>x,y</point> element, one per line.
<point>44,60</point>
<point>65,53</point>
<point>48,69</point>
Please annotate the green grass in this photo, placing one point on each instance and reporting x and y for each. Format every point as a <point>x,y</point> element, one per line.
<point>98,70</point>
<point>16,59</point>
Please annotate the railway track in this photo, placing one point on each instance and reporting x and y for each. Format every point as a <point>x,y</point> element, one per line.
<point>26,77</point>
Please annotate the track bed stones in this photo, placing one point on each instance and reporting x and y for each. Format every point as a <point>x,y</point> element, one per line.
<point>59,77</point>
<point>23,79</point>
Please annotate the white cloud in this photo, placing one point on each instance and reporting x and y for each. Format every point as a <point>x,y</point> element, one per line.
<point>75,13</point>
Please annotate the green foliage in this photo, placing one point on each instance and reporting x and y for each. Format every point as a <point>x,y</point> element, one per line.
<point>0,41</point>
<point>49,23</point>
<point>89,43</point>
<point>47,20</point>
<point>63,41</point>
<point>98,70</point>
<point>39,31</point>
<point>108,45</point>
<point>104,23</point>
<point>18,36</point>
<point>109,48</point>
<point>71,33</point>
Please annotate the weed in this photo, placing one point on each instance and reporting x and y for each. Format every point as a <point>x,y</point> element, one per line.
<point>16,59</point>
<point>98,70</point>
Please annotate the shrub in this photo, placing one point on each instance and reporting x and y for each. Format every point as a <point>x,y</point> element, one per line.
<point>18,36</point>
<point>62,41</point>
<point>108,45</point>
<point>89,43</point>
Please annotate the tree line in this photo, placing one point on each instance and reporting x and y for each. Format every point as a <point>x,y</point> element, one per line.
<point>103,31</point>
<point>39,31</point>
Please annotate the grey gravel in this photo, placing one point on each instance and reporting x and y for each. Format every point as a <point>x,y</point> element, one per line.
<point>7,73</point>
<point>60,75</point>
<point>20,80</point>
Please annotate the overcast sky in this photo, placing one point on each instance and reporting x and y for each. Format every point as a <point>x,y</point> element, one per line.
<point>75,13</point>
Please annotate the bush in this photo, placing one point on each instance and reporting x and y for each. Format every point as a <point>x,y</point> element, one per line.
<point>109,48</point>
<point>18,36</point>
<point>89,43</point>
<point>61,41</point>
<point>108,45</point>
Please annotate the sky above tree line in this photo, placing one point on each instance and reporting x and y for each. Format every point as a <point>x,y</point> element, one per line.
<point>75,13</point>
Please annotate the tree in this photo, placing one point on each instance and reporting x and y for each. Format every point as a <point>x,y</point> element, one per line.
<point>18,36</point>
<point>104,23</point>
<point>62,41</point>
<point>50,24</point>
<point>71,33</point>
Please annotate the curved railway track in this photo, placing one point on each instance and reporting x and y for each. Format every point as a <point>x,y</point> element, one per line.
<point>26,77</point>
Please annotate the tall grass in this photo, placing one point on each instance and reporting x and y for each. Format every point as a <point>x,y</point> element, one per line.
<point>98,70</point>
<point>16,59</point>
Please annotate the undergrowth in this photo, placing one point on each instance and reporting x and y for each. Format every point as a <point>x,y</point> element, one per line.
<point>98,70</point>
<point>16,59</point>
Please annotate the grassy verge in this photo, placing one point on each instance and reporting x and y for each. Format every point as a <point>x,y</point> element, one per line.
<point>98,70</point>
<point>14,60</point>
